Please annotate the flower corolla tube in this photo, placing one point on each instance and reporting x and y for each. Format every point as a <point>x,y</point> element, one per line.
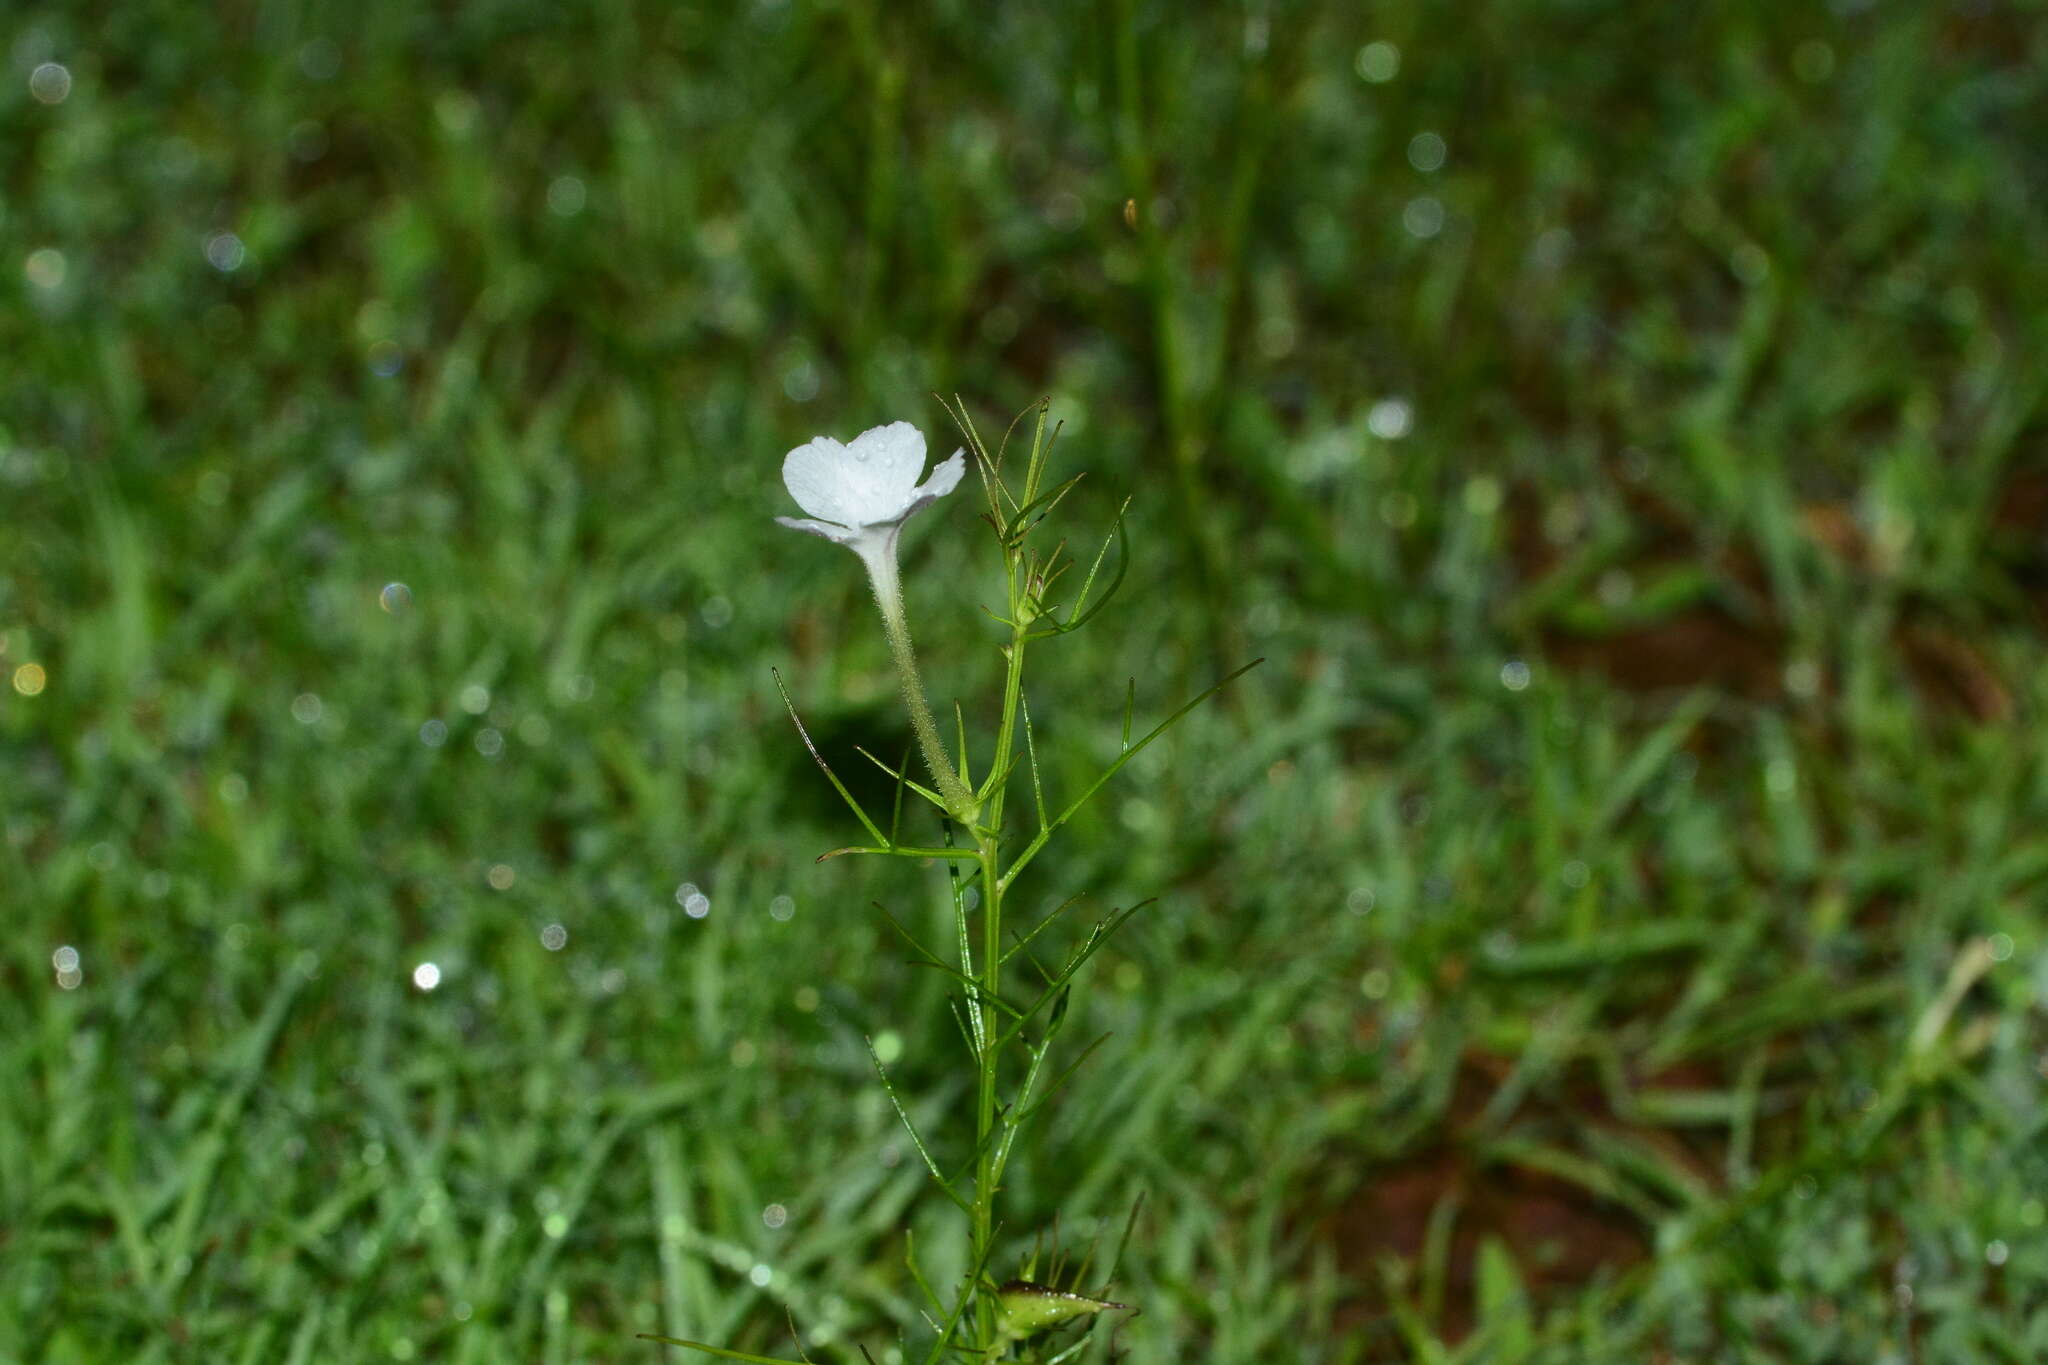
<point>859,495</point>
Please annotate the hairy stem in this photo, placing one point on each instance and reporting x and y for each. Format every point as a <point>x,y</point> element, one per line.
<point>880,558</point>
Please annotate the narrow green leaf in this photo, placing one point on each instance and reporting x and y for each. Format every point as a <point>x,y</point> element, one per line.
<point>903,779</point>
<point>960,1307</point>
<point>1031,752</point>
<point>960,727</point>
<point>989,468</point>
<point>1021,944</point>
<point>1013,1125</point>
<point>900,851</point>
<point>1060,1080</point>
<point>997,778</point>
<point>896,805</point>
<point>916,1140</point>
<point>825,767</point>
<point>947,969</point>
<point>917,1272</point>
<point>1037,510</point>
<point>1034,470</point>
<point>1097,936</point>
<point>925,956</point>
<point>1130,751</point>
<point>965,944</point>
<point>1083,613</point>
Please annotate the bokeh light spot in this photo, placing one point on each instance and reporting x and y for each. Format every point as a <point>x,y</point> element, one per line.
<point>49,83</point>
<point>45,267</point>
<point>1391,419</point>
<point>1378,63</point>
<point>225,252</point>
<point>1423,217</point>
<point>566,196</point>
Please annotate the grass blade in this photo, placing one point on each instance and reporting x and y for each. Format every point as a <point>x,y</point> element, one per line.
<point>721,1352</point>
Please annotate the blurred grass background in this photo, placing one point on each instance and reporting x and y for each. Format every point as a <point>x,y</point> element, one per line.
<point>1608,929</point>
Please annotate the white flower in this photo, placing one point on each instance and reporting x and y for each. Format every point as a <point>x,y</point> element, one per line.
<point>860,494</point>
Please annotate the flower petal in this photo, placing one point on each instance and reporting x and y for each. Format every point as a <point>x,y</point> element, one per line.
<point>883,464</point>
<point>945,477</point>
<point>838,535</point>
<point>814,475</point>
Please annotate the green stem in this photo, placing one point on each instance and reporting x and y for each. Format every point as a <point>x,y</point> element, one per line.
<point>988,841</point>
<point>880,559</point>
<point>985,1172</point>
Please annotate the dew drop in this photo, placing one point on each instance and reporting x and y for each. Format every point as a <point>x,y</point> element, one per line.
<point>1423,216</point>
<point>49,83</point>
<point>1391,418</point>
<point>1378,62</point>
<point>225,252</point>
<point>45,267</point>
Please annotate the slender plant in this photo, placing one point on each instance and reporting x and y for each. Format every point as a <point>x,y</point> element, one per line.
<point>859,495</point>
